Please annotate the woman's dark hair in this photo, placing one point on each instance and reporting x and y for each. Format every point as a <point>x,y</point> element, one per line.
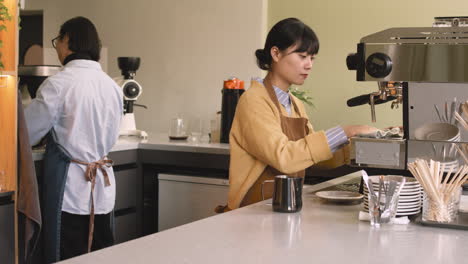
<point>284,34</point>
<point>82,37</point>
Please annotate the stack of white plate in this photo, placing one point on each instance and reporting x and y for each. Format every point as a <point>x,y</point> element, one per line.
<point>450,164</point>
<point>410,200</point>
<point>445,153</point>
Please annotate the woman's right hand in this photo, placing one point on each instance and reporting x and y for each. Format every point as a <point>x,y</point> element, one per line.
<point>353,130</point>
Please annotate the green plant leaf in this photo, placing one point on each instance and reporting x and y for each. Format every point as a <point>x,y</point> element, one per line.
<point>4,15</point>
<point>303,96</point>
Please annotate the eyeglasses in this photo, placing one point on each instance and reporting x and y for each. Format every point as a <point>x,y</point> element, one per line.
<point>54,41</point>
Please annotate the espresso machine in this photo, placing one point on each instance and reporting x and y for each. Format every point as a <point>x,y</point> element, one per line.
<point>131,91</point>
<point>423,71</point>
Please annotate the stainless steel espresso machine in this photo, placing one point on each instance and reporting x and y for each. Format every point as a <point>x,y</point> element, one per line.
<point>424,70</point>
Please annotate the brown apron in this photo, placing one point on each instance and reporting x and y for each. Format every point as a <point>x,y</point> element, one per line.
<point>29,209</point>
<point>90,175</point>
<point>294,128</point>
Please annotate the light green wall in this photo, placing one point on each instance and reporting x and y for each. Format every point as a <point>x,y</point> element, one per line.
<point>340,25</point>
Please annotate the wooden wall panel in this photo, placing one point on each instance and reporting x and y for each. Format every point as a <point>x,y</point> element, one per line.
<point>9,38</point>
<point>8,132</point>
<point>8,99</point>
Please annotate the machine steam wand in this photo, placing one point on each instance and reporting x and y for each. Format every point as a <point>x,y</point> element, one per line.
<point>387,91</point>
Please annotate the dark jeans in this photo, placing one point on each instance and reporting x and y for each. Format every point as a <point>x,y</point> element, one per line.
<point>74,234</point>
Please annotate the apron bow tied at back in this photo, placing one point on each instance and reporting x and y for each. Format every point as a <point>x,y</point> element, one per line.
<point>90,175</point>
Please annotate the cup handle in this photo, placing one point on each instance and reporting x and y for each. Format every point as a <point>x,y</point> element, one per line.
<point>263,184</point>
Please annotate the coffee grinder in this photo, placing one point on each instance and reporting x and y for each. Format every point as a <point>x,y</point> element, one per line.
<point>131,91</point>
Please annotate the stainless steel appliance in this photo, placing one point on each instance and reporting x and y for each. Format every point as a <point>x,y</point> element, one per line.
<point>31,77</point>
<point>183,199</point>
<point>423,69</point>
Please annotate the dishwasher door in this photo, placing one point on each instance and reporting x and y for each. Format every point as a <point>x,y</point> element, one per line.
<point>183,199</point>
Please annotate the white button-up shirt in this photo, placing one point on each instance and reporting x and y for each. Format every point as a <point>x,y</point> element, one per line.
<point>84,106</point>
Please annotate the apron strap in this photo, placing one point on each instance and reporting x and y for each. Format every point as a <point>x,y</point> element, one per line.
<point>271,92</point>
<point>90,175</point>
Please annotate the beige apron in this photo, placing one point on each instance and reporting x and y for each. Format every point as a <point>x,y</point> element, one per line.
<point>90,175</point>
<point>294,128</point>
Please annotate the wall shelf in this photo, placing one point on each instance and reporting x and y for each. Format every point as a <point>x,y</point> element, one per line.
<point>7,73</point>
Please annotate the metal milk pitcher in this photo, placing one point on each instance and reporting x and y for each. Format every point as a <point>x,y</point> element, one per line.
<point>287,193</point>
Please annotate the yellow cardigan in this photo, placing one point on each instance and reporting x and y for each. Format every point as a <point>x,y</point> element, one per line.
<point>256,140</point>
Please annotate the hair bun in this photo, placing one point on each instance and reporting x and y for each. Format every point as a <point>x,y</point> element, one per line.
<point>263,59</point>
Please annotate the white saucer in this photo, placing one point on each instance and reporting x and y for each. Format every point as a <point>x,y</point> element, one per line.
<point>408,213</point>
<point>410,200</point>
<point>339,196</point>
<point>405,193</point>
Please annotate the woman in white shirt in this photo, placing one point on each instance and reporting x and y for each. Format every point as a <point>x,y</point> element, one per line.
<point>80,109</point>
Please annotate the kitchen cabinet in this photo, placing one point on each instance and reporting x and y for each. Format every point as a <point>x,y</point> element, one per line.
<point>126,227</point>
<point>186,163</point>
<point>128,200</point>
<point>183,199</point>
<point>7,234</point>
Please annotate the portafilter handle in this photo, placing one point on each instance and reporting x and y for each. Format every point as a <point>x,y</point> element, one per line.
<point>365,99</point>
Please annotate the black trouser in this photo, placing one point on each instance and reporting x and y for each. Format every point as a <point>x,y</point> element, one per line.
<point>74,234</point>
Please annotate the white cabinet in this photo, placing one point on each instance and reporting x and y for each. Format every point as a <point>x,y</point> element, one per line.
<point>183,199</point>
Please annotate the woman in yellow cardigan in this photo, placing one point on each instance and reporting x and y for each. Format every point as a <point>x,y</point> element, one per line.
<point>271,134</point>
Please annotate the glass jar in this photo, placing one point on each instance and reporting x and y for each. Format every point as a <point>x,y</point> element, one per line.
<point>442,211</point>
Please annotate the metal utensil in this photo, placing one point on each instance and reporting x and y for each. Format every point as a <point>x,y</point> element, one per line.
<point>373,201</point>
<point>389,193</point>
<point>287,194</point>
<point>453,109</point>
<point>446,112</point>
<point>365,177</point>
<point>443,153</point>
<point>434,149</point>
<point>438,113</point>
<point>379,197</point>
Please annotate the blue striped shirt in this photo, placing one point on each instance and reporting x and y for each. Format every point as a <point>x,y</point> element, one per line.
<point>336,136</point>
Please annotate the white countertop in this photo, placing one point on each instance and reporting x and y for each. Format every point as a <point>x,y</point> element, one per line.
<point>159,141</point>
<point>320,233</point>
